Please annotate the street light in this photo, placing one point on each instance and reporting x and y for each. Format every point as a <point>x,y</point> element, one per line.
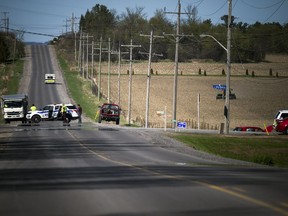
<point>228,51</point>
<point>227,98</point>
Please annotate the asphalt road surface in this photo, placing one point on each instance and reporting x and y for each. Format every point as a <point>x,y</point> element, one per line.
<point>104,169</point>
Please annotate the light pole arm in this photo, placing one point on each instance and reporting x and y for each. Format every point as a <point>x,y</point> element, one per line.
<point>204,35</point>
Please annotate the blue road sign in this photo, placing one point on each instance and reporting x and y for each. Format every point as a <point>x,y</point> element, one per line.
<point>181,124</point>
<point>219,87</point>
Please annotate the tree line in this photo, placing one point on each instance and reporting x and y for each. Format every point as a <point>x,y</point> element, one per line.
<point>11,48</point>
<point>249,42</point>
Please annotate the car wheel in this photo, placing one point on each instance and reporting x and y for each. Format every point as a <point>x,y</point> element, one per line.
<point>99,119</point>
<point>117,121</point>
<point>36,119</point>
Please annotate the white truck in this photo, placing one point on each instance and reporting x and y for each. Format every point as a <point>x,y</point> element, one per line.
<point>14,107</point>
<point>52,112</point>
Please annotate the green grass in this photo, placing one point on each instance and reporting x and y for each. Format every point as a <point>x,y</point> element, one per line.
<point>10,75</point>
<point>80,90</point>
<point>272,151</point>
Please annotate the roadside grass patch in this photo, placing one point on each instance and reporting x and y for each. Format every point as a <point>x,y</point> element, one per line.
<point>80,90</point>
<point>10,75</point>
<point>271,151</point>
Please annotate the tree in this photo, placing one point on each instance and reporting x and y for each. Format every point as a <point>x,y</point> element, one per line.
<point>100,21</point>
<point>160,24</point>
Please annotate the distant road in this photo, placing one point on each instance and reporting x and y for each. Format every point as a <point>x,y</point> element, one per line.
<point>43,60</point>
<point>104,169</point>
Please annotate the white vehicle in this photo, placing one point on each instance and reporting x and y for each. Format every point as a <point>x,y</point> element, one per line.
<point>50,78</point>
<point>52,112</point>
<point>14,107</point>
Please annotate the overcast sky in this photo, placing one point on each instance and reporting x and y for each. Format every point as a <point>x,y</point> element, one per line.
<point>49,16</point>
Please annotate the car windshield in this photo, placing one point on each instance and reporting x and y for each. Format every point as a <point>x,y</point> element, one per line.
<point>71,107</point>
<point>12,104</point>
<point>110,106</point>
<point>276,115</point>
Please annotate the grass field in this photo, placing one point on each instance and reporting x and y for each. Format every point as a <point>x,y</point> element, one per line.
<point>270,151</point>
<point>259,97</point>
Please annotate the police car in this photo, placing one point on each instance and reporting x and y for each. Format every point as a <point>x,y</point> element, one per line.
<point>52,112</point>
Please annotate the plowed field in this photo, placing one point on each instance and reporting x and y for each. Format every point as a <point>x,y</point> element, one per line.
<point>259,97</point>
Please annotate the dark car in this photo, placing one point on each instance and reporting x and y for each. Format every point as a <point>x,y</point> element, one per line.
<point>109,112</point>
<point>282,126</point>
<point>249,129</point>
<point>232,96</point>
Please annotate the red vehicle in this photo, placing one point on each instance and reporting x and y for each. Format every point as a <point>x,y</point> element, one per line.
<point>248,129</point>
<point>109,112</point>
<point>282,125</point>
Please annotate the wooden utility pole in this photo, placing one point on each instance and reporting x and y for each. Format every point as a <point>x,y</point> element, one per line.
<point>131,46</point>
<point>227,99</point>
<point>178,38</point>
<point>149,76</point>
<point>99,68</point>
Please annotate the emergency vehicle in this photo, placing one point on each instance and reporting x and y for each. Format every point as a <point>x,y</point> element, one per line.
<point>50,79</point>
<point>52,112</point>
<point>14,107</point>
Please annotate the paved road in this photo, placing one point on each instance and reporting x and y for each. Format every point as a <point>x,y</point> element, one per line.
<point>95,169</point>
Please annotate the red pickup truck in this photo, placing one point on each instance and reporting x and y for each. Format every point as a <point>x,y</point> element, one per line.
<point>109,112</point>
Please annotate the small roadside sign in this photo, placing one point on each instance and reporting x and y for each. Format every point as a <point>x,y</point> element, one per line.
<point>219,87</point>
<point>181,125</point>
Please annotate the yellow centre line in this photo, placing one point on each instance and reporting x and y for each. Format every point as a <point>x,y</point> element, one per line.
<point>211,186</point>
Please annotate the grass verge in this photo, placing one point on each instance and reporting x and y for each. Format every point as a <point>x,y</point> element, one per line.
<point>271,151</point>
<point>80,89</point>
<point>10,75</point>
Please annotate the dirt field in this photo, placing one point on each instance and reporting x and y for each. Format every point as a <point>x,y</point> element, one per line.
<point>258,97</point>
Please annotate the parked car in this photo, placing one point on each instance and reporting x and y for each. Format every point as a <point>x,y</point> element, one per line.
<point>282,126</point>
<point>249,129</point>
<point>232,96</point>
<point>109,112</point>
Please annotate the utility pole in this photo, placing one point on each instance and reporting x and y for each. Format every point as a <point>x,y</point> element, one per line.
<point>119,53</point>
<point>83,54</point>
<point>119,73</point>
<point>109,66</point>
<point>6,21</point>
<point>79,55</point>
<point>149,76</point>
<point>176,61</point>
<point>87,55</point>
<point>99,69</point>
<point>86,36</point>
<point>227,99</point>
<point>92,66</point>
<point>131,46</point>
